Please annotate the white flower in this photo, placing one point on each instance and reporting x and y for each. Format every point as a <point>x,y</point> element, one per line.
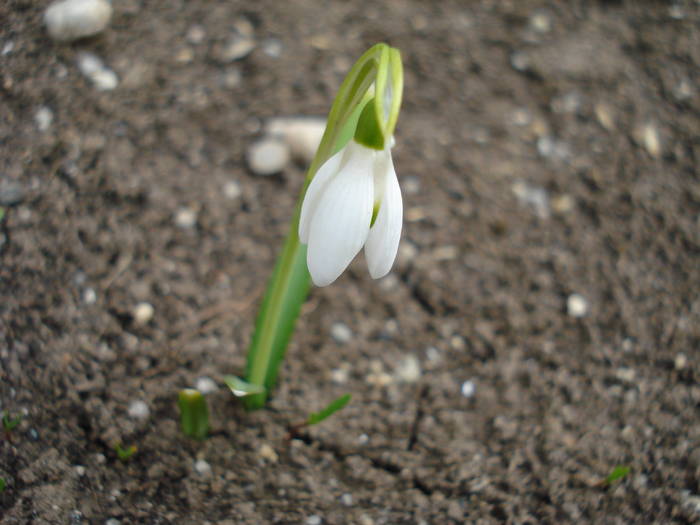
<point>336,214</point>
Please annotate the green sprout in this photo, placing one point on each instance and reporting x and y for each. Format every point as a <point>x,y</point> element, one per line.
<point>3,484</point>
<point>9,423</point>
<point>124,454</point>
<point>316,417</point>
<point>617,474</point>
<point>194,413</point>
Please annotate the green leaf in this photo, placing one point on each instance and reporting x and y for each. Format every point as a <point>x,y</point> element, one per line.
<point>241,388</point>
<point>330,409</point>
<point>124,454</point>
<point>194,413</point>
<point>2,212</point>
<point>9,423</point>
<point>3,484</point>
<point>618,473</point>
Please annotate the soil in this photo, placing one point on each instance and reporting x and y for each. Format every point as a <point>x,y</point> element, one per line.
<point>547,282</point>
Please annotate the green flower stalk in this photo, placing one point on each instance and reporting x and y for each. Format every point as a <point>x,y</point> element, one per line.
<point>350,199</point>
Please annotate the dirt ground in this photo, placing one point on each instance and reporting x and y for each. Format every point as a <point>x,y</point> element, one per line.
<point>546,287</point>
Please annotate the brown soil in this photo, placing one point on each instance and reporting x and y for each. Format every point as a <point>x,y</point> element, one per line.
<point>536,162</point>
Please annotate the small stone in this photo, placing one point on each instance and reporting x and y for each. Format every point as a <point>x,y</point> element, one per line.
<point>541,22</point>
<point>562,204</point>
<point>11,192</point>
<point>80,470</point>
<point>458,343</point>
<point>89,296</point>
<point>626,375</point>
<point>232,190</point>
<point>576,305</point>
<point>683,90</point>
<point>410,185</point>
<point>272,47</point>
<point>340,375</point>
<point>238,47</point>
<point>445,253</point>
<point>43,118</point>
<point>231,78</point>
<point>433,354</point>
<point>552,148</point>
<point>139,410</point>
<point>74,19</point>
<point>567,103</point>
<point>268,453</point>
<point>314,520</point>
<point>346,499</point>
<point>680,362</point>
<point>676,12</point>
<point>185,218</point>
<point>651,140</point>
<point>103,78</point>
<point>202,467</point>
<point>143,313</point>
<point>537,198</point>
<point>7,48</point>
<point>196,34</point>
<point>468,389</point>
<point>521,117</point>
<point>341,333</point>
<point>268,156</point>
<point>520,61</point>
<point>604,114</point>
<point>408,370</point>
<point>112,521</point>
<point>301,134</point>
<point>206,385</point>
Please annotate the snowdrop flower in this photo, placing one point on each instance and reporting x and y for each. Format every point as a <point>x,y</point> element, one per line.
<point>354,200</point>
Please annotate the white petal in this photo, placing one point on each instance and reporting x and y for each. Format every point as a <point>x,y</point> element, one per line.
<point>340,223</point>
<point>383,240</point>
<point>315,191</point>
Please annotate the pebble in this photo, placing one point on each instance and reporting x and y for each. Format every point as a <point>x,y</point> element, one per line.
<point>272,47</point>
<point>89,296</point>
<point>80,470</point>
<point>232,190</point>
<point>70,20</point>
<point>533,196</point>
<point>301,134</point>
<point>576,305</point>
<point>341,333</point>
<point>196,34</point>
<point>567,103</point>
<point>206,385</point>
<point>650,138</point>
<point>43,118</point>
<point>680,362</point>
<point>139,410</point>
<point>468,389</point>
<point>11,192</point>
<point>268,156</point>
<point>143,313</point>
<point>112,521</point>
<point>410,185</point>
<point>103,78</point>
<point>408,370</point>
<point>626,375</point>
<point>268,453</point>
<point>231,78</point>
<point>7,48</point>
<point>346,499</point>
<point>202,467</point>
<point>562,203</point>
<point>520,61</point>
<point>604,114</point>
<point>314,520</point>
<point>185,218</point>
<point>340,375</point>
<point>552,148</point>
<point>238,47</point>
<point>541,22</point>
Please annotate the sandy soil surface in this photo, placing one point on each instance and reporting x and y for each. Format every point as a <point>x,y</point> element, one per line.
<point>541,326</point>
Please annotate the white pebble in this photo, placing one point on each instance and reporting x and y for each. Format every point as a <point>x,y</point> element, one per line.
<point>346,499</point>
<point>576,305</point>
<point>143,313</point>
<point>267,452</point>
<point>43,118</point>
<point>268,156</point>
<point>7,48</point>
<point>520,61</point>
<point>626,375</point>
<point>680,362</point>
<point>202,467</point>
<point>139,410</point>
<point>533,196</point>
<point>468,389</point>
<point>340,375</point>
<point>89,296</point>
<point>314,520</point>
<point>185,218</point>
<point>238,47</point>
<point>651,140</point>
<point>206,385</point>
<point>103,78</point>
<point>301,134</point>
<point>232,190</point>
<point>112,521</point>
<point>80,470</point>
<point>541,22</point>
<point>408,370</point>
<point>73,19</point>
<point>341,333</point>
